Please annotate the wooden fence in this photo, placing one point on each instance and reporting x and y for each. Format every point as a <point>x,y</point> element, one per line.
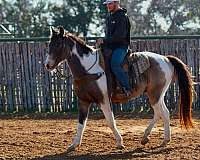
<point>25,86</point>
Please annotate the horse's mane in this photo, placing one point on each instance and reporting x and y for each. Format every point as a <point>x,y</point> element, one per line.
<point>80,41</point>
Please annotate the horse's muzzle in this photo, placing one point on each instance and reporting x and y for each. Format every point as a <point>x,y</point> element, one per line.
<point>48,67</point>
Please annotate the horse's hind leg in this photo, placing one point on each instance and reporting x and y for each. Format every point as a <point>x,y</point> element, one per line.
<point>105,107</point>
<point>83,109</point>
<point>151,125</point>
<point>166,119</point>
<point>160,76</point>
<point>160,111</point>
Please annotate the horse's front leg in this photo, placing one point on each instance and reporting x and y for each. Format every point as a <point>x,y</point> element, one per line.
<point>83,109</point>
<point>106,108</point>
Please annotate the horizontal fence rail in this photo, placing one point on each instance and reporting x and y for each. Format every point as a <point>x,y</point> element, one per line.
<point>45,39</point>
<point>25,86</point>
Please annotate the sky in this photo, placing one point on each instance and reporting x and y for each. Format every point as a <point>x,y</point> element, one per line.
<point>93,28</point>
<point>160,20</point>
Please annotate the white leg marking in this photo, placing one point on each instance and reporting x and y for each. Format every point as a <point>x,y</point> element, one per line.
<point>168,69</point>
<point>156,117</point>
<point>111,122</point>
<point>160,110</point>
<point>78,137</point>
<point>166,120</point>
<point>164,112</point>
<point>151,125</point>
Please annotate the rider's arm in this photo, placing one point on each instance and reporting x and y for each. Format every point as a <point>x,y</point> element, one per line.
<point>120,31</point>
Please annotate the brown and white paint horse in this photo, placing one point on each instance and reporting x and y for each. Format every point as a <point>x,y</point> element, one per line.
<point>83,60</point>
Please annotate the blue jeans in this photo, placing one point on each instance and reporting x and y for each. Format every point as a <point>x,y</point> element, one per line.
<point>117,59</point>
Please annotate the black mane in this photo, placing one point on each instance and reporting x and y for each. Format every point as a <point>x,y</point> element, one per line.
<point>82,47</point>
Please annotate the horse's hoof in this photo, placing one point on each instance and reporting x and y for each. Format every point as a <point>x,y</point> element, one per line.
<point>144,141</point>
<point>165,142</point>
<point>71,148</point>
<point>121,147</point>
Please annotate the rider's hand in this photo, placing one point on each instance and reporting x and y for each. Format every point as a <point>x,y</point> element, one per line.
<point>99,41</point>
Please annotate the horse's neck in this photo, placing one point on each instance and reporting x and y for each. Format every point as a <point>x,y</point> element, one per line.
<point>88,63</point>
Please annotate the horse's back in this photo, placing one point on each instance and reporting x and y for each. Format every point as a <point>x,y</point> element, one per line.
<point>160,60</point>
<point>160,74</point>
<point>152,55</point>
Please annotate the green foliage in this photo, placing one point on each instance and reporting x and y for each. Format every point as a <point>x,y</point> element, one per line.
<point>75,16</point>
<point>39,20</point>
<point>148,17</point>
<point>29,20</point>
<point>165,16</point>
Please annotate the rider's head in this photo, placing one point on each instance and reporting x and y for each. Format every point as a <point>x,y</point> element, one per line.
<point>112,5</point>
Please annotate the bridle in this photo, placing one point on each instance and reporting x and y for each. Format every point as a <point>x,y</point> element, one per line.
<point>62,76</point>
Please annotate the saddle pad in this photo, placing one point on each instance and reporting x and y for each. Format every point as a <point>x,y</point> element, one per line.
<point>138,63</point>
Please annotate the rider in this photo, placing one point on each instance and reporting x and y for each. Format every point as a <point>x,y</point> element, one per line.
<point>117,39</point>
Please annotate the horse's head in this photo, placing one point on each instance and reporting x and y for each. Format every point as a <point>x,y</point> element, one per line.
<point>59,48</point>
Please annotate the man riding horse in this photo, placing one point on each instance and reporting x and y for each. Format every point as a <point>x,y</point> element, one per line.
<point>83,60</point>
<point>117,40</point>
<point>155,78</point>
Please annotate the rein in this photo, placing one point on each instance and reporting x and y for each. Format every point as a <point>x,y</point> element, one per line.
<point>62,76</point>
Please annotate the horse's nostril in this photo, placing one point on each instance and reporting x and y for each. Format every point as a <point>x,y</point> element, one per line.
<point>47,66</point>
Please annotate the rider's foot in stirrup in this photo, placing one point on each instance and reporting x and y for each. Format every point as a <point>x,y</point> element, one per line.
<point>126,92</point>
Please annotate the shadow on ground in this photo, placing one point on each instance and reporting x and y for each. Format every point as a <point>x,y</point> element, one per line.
<point>120,154</point>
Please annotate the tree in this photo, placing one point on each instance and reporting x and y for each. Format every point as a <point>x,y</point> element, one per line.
<point>170,17</point>
<point>88,16</point>
<point>29,20</point>
<point>163,16</point>
<point>141,21</point>
<point>18,12</point>
<point>74,16</point>
<point>40,19</point>
<point>174,13</point>
<point>4,5</point>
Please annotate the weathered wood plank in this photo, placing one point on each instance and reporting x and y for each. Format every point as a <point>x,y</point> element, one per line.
<point>6,80</point>
<point>26,86</point>
<point>2,80</point>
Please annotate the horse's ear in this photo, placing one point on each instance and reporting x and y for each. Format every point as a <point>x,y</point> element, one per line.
<point>61,30</point>
<point>53,31</point>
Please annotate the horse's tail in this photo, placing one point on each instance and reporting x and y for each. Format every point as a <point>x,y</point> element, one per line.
<point>185,91</point>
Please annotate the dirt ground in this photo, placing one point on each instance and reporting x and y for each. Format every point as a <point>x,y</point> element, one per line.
<point>49,138</point>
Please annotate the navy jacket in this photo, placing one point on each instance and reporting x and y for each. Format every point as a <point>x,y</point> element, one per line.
<point>117,30</point>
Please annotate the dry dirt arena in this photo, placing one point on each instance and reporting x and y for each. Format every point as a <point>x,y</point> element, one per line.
<point>48,138</point>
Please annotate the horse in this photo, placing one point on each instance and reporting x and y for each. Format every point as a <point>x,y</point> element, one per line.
<point>90,84</point>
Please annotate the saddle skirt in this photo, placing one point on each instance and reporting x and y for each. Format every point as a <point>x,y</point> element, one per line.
<point>135,64</point>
